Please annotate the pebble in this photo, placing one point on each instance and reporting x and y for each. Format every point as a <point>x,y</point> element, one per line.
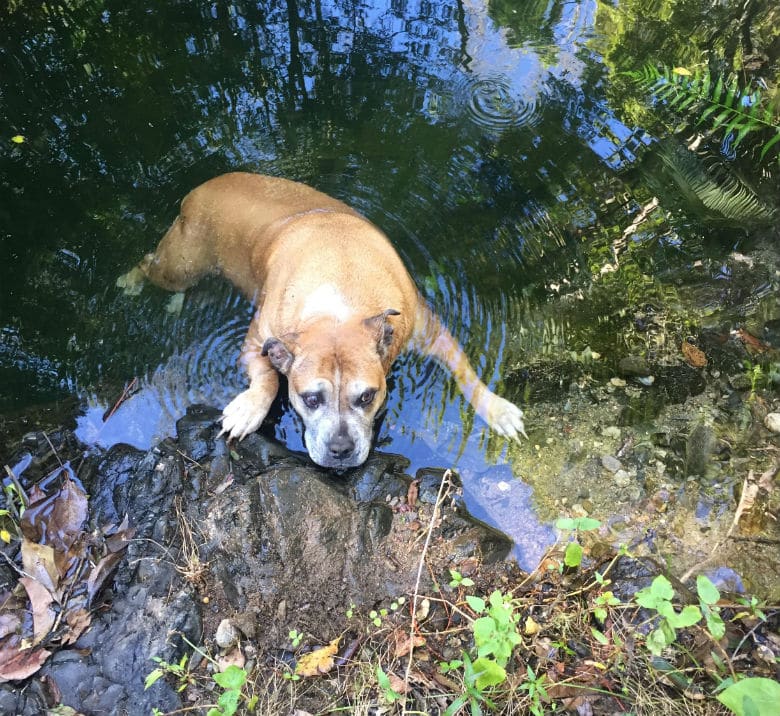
<point>610,463</point>
<point>617,382</point>
<point>772,422</point>
<point>226,635</point>
<point>611,431</point>
<point>622,478</point>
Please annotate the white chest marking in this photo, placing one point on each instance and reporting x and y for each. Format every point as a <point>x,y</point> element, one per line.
<point>326,300</point>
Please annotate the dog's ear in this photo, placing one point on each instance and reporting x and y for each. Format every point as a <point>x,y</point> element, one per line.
<point>382,329</point>
<point>279,354</point>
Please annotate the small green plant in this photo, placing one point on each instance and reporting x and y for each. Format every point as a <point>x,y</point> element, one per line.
<point>350,611</point>
<point>232,681</point>
<point>377,616</point>
<point>179,671</point>
<point>295,638</point>
<point>477,676</point>
<point>754,696</point>
<point>458,580</point>
<point>658,597</point>
<point>534,685</point>
<point>708,598</point>
<point>572,556</point>
<point>388,692</point>
<point>496,632</point>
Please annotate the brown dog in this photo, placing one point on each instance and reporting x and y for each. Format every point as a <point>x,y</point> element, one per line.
<point>335,306</point>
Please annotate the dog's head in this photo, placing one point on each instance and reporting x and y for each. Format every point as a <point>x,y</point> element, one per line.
<point>336,379</point>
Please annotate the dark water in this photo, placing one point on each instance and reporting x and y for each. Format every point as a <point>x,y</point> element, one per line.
<point>490,141</point>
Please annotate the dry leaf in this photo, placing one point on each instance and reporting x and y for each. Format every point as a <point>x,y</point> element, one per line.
<point>235,657</point>
<point>16,665</point>
<point>9,624</point>
<point>38,561</point>
<point>41,600</point>
<point>77,620</point>
<point>403,643</point>
<point>693,356</point>
<point>319,661</point>
<point>412,492</point>
<point>531,627</point>
<point>398,684</point>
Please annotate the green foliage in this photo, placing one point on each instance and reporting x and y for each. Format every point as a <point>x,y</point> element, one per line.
<point>475,674</point>
<point>534,685</point>
<point>572,556</point>
<point>389,693</point>
<point>714,101</point>
<point>754,696</point>
<point>180,671</point>
<point>708,598</point>
<point>458,580</point>
<point>495,633</point>
<point>232,680</point>
<point>658,597</point>
<point>295,638</point>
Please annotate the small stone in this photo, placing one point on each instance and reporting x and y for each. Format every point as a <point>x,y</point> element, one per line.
<point>226,635</point>
<point>634,365</point>
<point>611,431</point>
<point>611,463</point>
<point>622,478</point>
<point>617,382</point>
<point>772,422</point>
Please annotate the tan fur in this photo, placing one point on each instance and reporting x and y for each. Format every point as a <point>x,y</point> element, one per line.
<point>335,306</point>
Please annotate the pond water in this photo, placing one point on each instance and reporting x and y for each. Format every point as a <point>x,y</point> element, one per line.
<point>496,143</point>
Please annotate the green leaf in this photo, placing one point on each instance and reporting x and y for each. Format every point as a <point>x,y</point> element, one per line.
<point>770,144</point>
<point>18,139</point>
<point>476,603</point>
<point>706,590</point>
<point>231,678</point>
<point>488,673</point>
<point>599,637</point>
<point>586,524</point>
<point>689,616</point>
<point>228,701</point>
<point>565,523</point>
<point>715,625</point>
<point>755,695</point>
<point>152,677</point>
<point>572,557</point>
<point>656,642</point>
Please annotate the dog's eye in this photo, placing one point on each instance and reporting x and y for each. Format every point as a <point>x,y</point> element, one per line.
<point>366,397</point>
<point>311,400</point>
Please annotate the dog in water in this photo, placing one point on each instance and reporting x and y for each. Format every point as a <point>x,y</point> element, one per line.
<point>335,306</point>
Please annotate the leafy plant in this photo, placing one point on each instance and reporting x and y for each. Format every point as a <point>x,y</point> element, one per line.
<point>534,685</point>
<point>754,696</point>
<point>389,693</point>
<point>572,557</point>
<point>458,580</point>
<point>295,638</point>
<point>708,598</point>
<point>476,678</point>
<point>711,99</point>
<point>180,672</point>
<point>232,680</point>
<point>658,597</point>
<point>495,633</point>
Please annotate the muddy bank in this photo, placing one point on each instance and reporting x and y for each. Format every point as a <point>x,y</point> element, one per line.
<point>254,534</point>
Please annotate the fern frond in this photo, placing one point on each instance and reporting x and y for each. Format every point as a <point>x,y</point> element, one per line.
<point>717,101</point>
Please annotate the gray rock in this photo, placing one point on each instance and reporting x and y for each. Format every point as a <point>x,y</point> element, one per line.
<point>611,463</point>
<point>772,422</point>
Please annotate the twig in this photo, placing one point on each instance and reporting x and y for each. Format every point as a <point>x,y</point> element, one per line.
<point>416,595</point>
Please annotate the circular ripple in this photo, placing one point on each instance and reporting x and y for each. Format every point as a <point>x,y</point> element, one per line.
<point>492,103</point>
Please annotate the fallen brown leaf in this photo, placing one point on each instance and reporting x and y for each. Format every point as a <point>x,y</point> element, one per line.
<point>320,661</point>
<point>404,643</point>
<point>693,355</point>
<point>16,665</point>
<point>41,600</point>
<point>38,562</point>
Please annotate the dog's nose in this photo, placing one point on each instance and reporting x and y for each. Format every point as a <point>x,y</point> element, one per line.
<point>341,446</point>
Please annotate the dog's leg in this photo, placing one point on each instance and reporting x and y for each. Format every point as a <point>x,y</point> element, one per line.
<point>245,413</point>
<point>182,257</point>
<point>432,338</point>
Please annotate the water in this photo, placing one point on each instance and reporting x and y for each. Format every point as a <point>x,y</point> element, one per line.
<point>490,141</point>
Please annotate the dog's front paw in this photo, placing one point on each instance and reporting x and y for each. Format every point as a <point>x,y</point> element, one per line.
<point>505,418</point>
<point>243,414</point>
<point>131,282</point>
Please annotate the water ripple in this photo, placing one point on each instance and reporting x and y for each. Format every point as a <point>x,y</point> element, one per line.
<point>492,103</point>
